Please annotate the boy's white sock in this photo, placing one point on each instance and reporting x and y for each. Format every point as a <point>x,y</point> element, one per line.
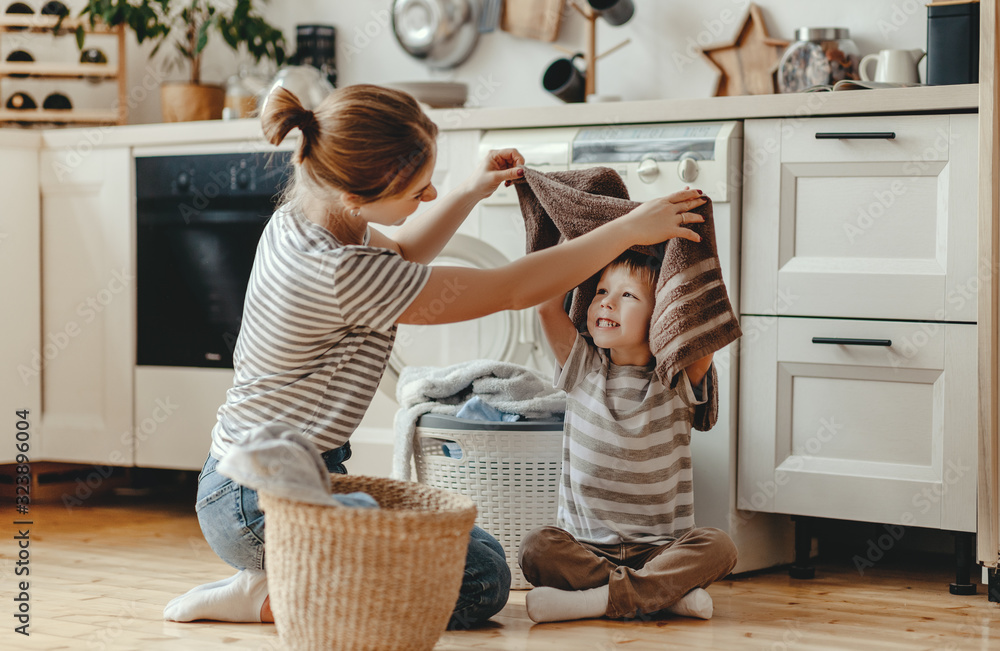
<point>236,599</point>
<point>554,605</point>
<point>697,603</point>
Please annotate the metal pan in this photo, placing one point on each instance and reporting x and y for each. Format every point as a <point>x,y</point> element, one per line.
<point>441,33</point>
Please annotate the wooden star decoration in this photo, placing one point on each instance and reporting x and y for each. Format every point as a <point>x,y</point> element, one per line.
<point>746,64</point>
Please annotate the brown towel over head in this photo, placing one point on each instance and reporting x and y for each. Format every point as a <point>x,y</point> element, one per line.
<point>692,315</point>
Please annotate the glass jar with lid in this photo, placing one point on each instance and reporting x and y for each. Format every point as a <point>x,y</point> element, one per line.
<point>242,90</point>
<point>819,56</point>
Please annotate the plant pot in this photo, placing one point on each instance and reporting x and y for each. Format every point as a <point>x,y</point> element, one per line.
<point>183,102</point>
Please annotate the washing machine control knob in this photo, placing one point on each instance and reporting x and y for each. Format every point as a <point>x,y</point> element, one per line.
<point>648,170</point>
<point>687,168</point>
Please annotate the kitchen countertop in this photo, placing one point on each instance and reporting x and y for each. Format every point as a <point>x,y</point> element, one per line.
<point>855,102</point>
<point>801,105</point>
<point>20,138</point>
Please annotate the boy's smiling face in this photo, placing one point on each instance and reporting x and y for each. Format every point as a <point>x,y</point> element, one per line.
<point>618,317</point>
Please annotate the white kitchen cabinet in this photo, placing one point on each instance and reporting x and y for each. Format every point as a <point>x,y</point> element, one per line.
<point>88,304</point>
<point>21,348</point>
<point>867,226</point>
<point>877,433</point>
<point>858,390</point>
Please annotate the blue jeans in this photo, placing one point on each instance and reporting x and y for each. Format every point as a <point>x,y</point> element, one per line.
<point>233,525</point>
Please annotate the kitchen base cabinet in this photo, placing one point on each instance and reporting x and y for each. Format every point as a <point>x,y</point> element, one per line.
<point>88,305</point>
<point>21,348</point>
<point>858,384</point>
<point>877,433</point>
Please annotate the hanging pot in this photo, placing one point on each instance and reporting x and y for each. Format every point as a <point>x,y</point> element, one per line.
<point>441,33</point>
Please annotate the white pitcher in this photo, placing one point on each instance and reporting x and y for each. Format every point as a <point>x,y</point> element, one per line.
<point>897,66</point>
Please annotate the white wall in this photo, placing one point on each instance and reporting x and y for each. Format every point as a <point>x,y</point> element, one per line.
<point>660,62</point>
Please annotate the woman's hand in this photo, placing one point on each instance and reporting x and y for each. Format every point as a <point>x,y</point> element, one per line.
<point>664,218</point>
<point>498,166</point>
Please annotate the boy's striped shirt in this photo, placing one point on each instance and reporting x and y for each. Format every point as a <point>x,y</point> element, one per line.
<point>626,473</point>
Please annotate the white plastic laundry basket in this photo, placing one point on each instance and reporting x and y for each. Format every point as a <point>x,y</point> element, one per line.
<point>510,471</point>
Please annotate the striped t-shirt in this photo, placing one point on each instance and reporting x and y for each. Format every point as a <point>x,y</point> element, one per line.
<point>626,474</point>
<point>318,327</point>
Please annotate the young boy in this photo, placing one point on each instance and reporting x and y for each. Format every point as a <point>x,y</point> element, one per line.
<point>626,544</point>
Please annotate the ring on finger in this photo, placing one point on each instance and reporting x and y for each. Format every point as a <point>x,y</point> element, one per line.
<point>683,218</point>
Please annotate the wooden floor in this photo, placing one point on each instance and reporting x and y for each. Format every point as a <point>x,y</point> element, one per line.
<point>100,574</point>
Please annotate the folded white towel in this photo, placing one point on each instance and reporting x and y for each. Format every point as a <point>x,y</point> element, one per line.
<point>510,388</point>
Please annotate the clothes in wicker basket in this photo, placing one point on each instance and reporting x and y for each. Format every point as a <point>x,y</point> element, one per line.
<point>279,460</point>
<point>510,388</point>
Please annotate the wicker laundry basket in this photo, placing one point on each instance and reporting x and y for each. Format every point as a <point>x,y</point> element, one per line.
<point>355,578</point>
<point>510,470</point>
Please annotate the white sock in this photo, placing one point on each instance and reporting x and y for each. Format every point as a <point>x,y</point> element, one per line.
<point>554,605</point>
<point>697,603</point>
<point>236,599</point>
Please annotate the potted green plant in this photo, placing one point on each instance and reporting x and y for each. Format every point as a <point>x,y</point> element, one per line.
<point>187,26</point>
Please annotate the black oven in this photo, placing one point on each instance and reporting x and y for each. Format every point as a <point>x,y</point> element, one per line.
<point>199,218</point>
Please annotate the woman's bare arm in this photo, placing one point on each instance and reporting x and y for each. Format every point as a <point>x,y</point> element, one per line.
<point>457,294</point>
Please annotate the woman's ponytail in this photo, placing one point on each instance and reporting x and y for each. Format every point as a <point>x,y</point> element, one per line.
<point>283,112</point>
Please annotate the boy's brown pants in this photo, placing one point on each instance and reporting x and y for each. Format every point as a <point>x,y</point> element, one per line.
<point>641,578</point>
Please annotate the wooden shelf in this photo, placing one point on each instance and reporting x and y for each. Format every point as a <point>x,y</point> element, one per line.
<point>40,23</point>
<point>74,70</point>
<point>57,70</point>
<point>70,116</point>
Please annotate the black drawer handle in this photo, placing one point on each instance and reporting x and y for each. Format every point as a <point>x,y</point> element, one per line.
<point>856,135</point>
<point>842,341</point>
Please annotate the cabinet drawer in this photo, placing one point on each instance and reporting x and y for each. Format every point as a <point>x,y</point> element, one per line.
<point>861,227</point>
<point>911,138</point>
<point>881,433</point>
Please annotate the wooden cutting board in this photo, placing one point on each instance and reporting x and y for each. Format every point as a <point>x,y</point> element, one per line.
<point>746,64</point>
<point>538,19</point>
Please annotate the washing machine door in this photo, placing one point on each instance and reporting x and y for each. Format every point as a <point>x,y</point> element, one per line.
<point>510,336</point>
